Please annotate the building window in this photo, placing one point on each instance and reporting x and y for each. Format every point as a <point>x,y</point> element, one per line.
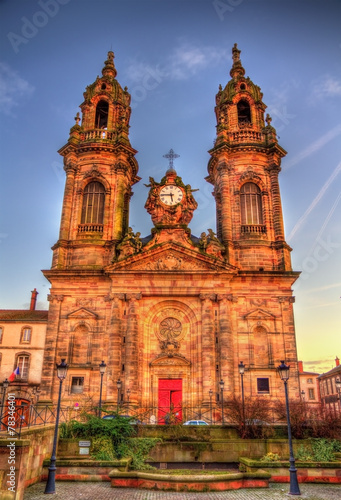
<point>1,333</point>
<point>244,111</point>
<point>311,393</point>
<point>93,204</point>
<point>77,385</point>
<point>26,334</point>
<point>263,385</point>
<point>102,111</point>
<point>23,363</point>
<point>251,204</point>
<point>309,381</point>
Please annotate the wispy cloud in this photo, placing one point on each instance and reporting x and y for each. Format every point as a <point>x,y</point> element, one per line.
<point>314,146</point>
<point>323,288</point>
<point>187,60</point>
<point>315,202</point>
<point>12,88</point>
<point>319,366</point>
<point>325,86</point>
<point>183,62</point>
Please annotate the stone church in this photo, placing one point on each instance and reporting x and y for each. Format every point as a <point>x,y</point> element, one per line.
<point>171,314</point>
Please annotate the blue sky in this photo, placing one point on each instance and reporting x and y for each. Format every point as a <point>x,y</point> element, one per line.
<point>172,56</point>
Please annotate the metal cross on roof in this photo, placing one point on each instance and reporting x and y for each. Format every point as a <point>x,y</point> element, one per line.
<point>171,156</point>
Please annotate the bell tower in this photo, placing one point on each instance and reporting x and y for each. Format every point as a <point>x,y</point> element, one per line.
<point>101,169</point>
<point>244,167</point>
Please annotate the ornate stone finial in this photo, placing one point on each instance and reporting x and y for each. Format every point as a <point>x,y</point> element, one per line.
<point>109,68</point>
<point>77,118</point>
<point>235,53</point>
<point>237,69</point>
<point>268,119</point>
<point>171,156</point>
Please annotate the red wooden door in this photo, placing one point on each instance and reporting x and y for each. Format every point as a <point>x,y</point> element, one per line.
<point>170,401</point>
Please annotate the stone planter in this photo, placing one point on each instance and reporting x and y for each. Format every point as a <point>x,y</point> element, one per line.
<point>307,472</point>
<point>192,482</point>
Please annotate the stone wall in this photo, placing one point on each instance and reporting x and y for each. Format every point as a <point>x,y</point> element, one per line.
<point>28,454</point>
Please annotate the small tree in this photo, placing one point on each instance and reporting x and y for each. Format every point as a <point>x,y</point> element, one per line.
<point>257,413</point>
<point>298,416</point>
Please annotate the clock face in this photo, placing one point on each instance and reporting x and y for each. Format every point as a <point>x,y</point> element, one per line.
<point>171,195</point>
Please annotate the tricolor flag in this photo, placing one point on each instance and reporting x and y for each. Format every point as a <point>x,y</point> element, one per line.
<point>16,372</point>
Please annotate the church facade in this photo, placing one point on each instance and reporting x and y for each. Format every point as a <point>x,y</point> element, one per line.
<point>171,314</point>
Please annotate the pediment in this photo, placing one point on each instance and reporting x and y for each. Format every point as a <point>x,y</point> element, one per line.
<point>171,257</point>
<point>165,359</point>
<point>82,313</point>
<point>258,314</point>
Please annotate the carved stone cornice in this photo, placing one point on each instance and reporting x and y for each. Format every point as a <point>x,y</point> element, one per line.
<point>93,172</point>
<point>228,296</point>
<point>53,298</point>
<point>133,296</point>
<point>208,296</point>
<point>290,299</point>
<point>114,296</point>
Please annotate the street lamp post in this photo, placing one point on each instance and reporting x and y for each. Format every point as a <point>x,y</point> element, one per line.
<point>5,384</point>
<point>338,389</point>
<point>50,484</point>
<point>283,371</point>
<point>102,368</point>
<point>221,384</point>
<point>119,387</point>
<point>128,397</point>
<point>210,392</point>
<point>241,368</point>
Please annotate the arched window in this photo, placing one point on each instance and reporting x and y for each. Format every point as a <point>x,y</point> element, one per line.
<point>23,363</point>
<point>261,347</point>
<point>244,111</point>
<point>26,334</point>
<point>80,346</point>
<point>251,204</point>
<point>93,203</point>
<point>102,110</point>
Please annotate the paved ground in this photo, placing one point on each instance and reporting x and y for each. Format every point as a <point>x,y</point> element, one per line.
<point>66,490</point>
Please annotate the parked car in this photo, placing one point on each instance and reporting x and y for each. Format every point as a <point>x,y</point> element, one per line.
<point>132,420</point>
<point>195,422</point>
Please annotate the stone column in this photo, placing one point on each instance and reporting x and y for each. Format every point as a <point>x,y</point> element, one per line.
<point>65,222</point>
<point>114,359</point>
<point>276,203</point>
<point>121,173</point>
<point>131,363</point>
<point>208,347</point>
<point>226,344</point>
<point>225,201</point>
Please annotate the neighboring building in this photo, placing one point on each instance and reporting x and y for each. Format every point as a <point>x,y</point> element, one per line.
<point>171,314</point>
<point>330,397</point>
<point>310,389</point>
<point>22,342</point>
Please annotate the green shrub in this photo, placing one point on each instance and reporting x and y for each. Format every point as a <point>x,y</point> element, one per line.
<point>138,449</point>
<point>271,457</point>
<point>318,450</point>
<point>102,448</point>
<point>111,439</point>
